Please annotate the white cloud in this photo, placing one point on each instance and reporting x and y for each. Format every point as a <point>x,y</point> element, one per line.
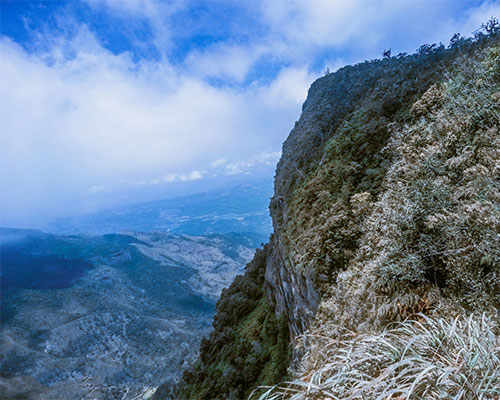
<point>473,19</point>
<point>78,120</point>
<point>73,126</point>
<point>232,62</point>
<point>289,87</point>
<point>157,12</point>
<point>191,176</point>
<point>218,163</point>
<point>367,27</point>
<point>97,189</point>
<point>265,161</point>
<point>316,22</point>
<point>246,166</point>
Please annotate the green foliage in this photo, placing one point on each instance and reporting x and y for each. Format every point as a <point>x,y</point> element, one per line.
<point>323,226</point>
<point>417,360</point>
<point>430,241</point>
<point>383,89</point>
<point>249,346</point>
<point>418,158</point>
<point>388,185</point>
<point>441,209</point>
<point>337,150</point>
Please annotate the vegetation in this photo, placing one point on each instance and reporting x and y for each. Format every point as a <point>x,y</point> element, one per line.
<point>249,346</point>
<point>388,191</point>
<point>418,359</point>
<point>383,89</point>
<point>323,221</point>
<point>423,243</point>
<point>440,211</point>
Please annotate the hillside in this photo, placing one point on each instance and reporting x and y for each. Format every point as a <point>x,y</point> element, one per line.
<point>106,317</point>
<point>386,209</point>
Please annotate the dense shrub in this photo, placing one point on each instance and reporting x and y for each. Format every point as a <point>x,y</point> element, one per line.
<point>323,227</point>
<point>388,185</point>
<point>384,88</point>
<point>337,149</point>
<point>440,214</point>
<point>430,241</point>
<point>401,212</point>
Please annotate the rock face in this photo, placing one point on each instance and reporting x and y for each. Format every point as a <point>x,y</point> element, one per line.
<point>291,293</point>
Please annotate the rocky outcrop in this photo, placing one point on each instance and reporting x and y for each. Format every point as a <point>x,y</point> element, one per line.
<point>294,294</point>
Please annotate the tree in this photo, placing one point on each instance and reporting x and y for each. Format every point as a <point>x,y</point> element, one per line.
<point>492,26</point>
<point>426,48</point>
<point>455,39</point>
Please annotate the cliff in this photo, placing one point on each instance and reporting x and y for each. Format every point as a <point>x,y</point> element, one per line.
<point>386,206</point>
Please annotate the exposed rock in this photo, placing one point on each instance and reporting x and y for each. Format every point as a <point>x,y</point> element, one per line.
<point>290,291</point>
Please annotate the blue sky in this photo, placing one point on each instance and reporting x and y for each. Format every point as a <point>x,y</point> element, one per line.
<point>105,102</point>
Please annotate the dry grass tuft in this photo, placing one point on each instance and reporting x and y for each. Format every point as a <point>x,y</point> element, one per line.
<point>428,358</point>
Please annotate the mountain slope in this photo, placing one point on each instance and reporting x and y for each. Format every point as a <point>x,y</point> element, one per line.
<point>240,208</point>
<point>386,205</point>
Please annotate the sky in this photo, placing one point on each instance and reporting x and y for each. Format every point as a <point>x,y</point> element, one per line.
<point>108,102</point>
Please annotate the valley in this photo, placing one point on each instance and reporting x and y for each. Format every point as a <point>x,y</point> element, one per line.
<point>110,316</point>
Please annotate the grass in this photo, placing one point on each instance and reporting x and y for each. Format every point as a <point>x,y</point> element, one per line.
<point>426,358</point>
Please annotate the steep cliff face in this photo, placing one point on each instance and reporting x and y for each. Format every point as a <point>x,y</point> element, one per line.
<point>409,237</point>
<point>334,151</point>
<point>331,260</point>
<point>290,292</point>
<point>248,345</point>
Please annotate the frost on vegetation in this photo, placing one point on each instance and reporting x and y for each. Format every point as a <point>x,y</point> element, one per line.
<point>439,217</point>
<point>425,358</point>
<point>434,232</point>
<point>427,246</point>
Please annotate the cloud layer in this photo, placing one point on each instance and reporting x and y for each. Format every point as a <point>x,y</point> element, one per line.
<point>80,118</point>
<point>99,120</point>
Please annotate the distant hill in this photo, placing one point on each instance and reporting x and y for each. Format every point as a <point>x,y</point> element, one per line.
<point>242,208</point>
<point>110,314</point>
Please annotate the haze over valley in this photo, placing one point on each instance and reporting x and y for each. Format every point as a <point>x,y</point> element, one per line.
<point>107,315</point>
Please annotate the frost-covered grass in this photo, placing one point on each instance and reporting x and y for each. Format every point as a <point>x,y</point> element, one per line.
<point>425,358</point>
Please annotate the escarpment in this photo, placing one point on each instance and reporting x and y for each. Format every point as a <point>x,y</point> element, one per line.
<point>411,247</point>
<point>386,204</point>
<point>334,151</point>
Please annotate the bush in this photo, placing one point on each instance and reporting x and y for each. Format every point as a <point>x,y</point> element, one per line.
<point>439,218</point>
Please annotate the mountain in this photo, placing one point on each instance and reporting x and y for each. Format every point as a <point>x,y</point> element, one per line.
<point>385,244</point>
<point>107,316</point>
<point>240,208</point>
